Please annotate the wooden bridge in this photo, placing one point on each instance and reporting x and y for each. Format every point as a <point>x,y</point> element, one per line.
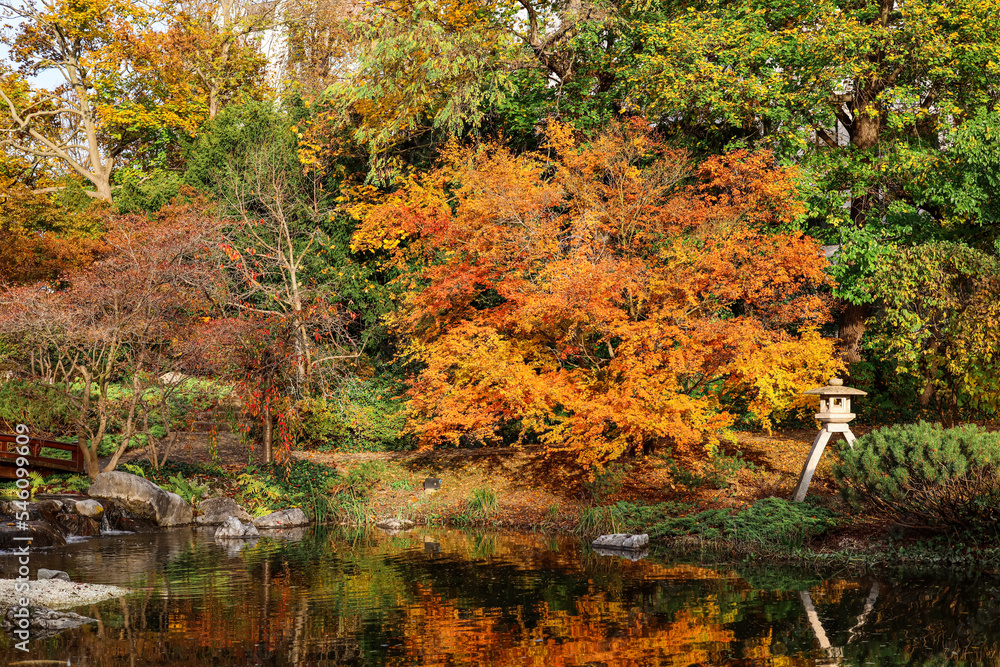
<point>39,460</point>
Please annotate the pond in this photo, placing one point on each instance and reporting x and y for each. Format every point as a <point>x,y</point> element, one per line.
<point>448,597</point>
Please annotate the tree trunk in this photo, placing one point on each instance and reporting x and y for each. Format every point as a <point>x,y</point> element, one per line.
<point>852,328</point>
<point>103,187</point>
<point>268,420</point>
<point>864,131</point>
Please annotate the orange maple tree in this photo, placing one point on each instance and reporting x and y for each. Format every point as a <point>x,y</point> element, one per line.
<point>605,297</point>
<point>39,239</point>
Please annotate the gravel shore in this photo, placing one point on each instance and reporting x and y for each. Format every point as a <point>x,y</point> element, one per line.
<point>57,594</point>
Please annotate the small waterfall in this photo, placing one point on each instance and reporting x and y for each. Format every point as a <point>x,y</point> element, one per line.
<point>105,524</point>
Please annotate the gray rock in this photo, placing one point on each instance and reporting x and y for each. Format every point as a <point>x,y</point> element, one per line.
<point>234,529</point>
<point>52,574</point>
<point>621,541</point>
<point>394,524</point>
<point>142,498</point>
<point>90,508</point>
<point>215,511</point>
<point>282,519</point>
<point>172,378</point>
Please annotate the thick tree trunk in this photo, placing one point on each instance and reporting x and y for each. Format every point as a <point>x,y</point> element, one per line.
<point>103,187</point>
<point>852,328</point>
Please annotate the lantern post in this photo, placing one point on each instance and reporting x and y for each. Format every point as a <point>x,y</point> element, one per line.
<point>834,415</point>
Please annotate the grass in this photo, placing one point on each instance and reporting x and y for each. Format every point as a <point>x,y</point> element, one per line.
<point>483,505</point>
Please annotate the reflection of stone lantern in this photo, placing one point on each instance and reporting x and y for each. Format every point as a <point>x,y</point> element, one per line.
<point>834,414</point>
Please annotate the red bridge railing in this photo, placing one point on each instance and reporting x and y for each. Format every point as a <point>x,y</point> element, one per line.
<point>8,455</point>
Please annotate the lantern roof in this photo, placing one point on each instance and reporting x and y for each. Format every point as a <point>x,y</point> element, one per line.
<point>836,388</point>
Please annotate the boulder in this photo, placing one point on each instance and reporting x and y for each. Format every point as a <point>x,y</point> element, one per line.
<point>44,574</point>
<point>282,519</point>
<point>172,378</point>
<point>142,498</point>
<point>90,508</point>
<point>234,529</point>
<point>215,511</point>
<point>621,541</point>
<point>394,524</point>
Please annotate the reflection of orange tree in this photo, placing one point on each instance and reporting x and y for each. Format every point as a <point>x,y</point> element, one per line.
<point>596,630</point>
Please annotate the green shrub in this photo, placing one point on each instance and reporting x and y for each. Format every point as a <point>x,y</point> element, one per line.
<point>717,473</point>
<point>629,517</point>
<point>297,476</point>
<point>188,489</point>
<point>146,193</point>
<point>44,408</point>
<point>946,478</point>
<point>316,423</point>
<point>10,490</point>
<point>607,481</point>
<point>373,416</point>
<point>769,523</point>
<point>361,480</point>
<point>778,522</point>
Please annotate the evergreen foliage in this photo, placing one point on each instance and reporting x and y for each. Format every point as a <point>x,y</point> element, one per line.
<point>926,475</point>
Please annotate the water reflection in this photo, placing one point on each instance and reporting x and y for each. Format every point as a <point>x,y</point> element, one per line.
<point>437,597</point>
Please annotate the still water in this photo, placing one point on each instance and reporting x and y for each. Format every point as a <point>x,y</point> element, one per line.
<point>445,597</point>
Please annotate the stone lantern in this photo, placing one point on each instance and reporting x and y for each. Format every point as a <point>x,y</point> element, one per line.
<point>834,415</point>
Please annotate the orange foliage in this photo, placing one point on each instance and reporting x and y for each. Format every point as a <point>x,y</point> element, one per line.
<point>597,298</point>
<point>39,240</point>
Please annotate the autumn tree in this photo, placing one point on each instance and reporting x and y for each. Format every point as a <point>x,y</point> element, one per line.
<point>208,55</point>
<point>286,325</point>
<point>39,240</point>
<point>597,301</point>
<point>113,321</point>
<point>82,43</point>
<point>423,71</point>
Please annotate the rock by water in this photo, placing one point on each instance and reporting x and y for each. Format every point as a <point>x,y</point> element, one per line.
<point>142,498</point>
<point>234,529</point>
<point>90,508</point>
<point>282,519</point>
<point>215,511</point>
<point>394,524</point>
<point>621,541</point>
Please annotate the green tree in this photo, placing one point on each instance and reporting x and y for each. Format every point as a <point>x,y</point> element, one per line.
<point>940,318</point>
<point>860,93</point>
<point>428,70</point>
